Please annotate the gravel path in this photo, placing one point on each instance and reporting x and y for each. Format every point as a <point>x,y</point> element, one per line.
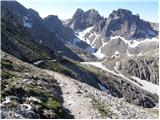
<point>87,102</point>
<point>74,98</point>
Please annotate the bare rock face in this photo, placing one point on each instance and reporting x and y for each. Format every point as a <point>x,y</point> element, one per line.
<point>127,30</point>
<point>55,25</point>
<point>82,20</point>
<point>113,46</point>
<point>143,67</point>
<point>122,89</point>
<point>123,23</point>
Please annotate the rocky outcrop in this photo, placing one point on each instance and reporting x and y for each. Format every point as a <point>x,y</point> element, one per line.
<point>114,45</point>
<point>145,68</point>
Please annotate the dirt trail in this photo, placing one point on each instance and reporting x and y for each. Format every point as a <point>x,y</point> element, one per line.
<point>75,98</point>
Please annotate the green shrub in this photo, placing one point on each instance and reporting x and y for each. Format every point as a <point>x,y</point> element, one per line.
<point>6,75</point>
<point>7,64</point>
<point>52,103</point>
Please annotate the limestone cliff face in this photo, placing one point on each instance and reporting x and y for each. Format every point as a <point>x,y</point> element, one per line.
<point>123,23</point>
<point>143,67</point>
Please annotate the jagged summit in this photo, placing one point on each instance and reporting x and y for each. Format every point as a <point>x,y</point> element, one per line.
<point>82,20</point>
<point>123,23</point>
<point>53,19</point>
<point>120,13</point>
<point>32,11</point>
<point>56,25</point>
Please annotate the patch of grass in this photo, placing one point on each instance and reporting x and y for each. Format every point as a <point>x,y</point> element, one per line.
<point>154,111</point>
<point>56,66</point>
<point>7,75</point>
<point>22,42</point>
<point>7,64</point>
<point>103,111</point>
<point>11,105</point>
<point>97,71</point>
<point>52,103</point>
<point>101,107</point>
<point>14,90</point>
<point>33,91</point>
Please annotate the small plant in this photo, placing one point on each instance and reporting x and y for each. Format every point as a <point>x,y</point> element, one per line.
<point>6,64</point>
<point>6,75</point>
<point>103,110</point>
<point>52,103</point>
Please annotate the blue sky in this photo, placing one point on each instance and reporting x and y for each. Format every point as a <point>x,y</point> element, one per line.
<point>147,9</point>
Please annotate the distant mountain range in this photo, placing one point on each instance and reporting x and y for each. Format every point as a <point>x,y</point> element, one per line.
<point>121,31</point>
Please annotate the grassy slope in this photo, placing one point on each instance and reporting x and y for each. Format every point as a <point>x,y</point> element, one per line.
<point>22,81</point>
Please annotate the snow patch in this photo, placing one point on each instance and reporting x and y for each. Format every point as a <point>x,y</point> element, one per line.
<point>117,65</point>
<point>25,107</point>
<point>34,99</point>
<point>90,49</point>
<point>134,43</point>
<point>81,34</point>
<point>99,54</point>
<point>38,62</point>
<point>27,22</point>
<point>151,32</point>
<point>148,86</point>
<point>7,100</point>
<point>92,43</point>
<point>102,87</point>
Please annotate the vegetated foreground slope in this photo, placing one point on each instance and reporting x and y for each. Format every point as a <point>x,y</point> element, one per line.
<point>31,92</point>
<point>28,92</point>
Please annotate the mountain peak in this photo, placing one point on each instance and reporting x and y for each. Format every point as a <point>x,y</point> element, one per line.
<point>51,17</point>
<point>92,11</point>
<point>33,12</point>
<point>82,20</point>
<point>79,11</point>
<point>120,13</point>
